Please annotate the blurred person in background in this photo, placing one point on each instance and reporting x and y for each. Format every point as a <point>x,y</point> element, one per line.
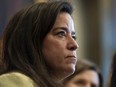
<point>86,75</point>
<point>0,50</point>
<point>112,74</point>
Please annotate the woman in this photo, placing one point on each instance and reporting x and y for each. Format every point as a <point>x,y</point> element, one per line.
<point>85,75</point>
<point>39,46</point>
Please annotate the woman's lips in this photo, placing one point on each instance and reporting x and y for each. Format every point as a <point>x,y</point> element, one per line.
<point>71,56</point>
<point>72,59</point>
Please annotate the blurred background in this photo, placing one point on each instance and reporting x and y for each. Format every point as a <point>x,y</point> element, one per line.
<point>95,23</point>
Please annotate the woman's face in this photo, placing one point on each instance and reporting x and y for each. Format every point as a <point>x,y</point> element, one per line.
<point>59,46</point>
<point>88,78</point>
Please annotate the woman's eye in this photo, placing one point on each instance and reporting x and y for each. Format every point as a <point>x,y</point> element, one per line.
<point>61,33</point>
<point>74,37</point>
<point>93,85</point>
<point>80,83</point>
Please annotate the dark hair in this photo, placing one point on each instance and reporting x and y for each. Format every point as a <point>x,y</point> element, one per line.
<point>23,39</point>
<point>83,65</point>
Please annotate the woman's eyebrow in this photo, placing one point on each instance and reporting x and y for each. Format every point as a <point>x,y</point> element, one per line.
<point>60,28</point>
<point>63,28</point>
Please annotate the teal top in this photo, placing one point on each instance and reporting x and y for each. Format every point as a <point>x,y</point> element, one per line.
<point>16,79</point>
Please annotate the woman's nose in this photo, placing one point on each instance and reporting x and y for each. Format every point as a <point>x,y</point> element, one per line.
<point>72,44</point>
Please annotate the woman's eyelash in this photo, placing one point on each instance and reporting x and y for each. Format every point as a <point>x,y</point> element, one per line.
<point>61,33</point>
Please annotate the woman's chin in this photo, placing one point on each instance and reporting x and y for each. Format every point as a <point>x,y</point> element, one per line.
<point>70,70</point>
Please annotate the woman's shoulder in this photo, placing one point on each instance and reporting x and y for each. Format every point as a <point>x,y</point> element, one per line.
<point>16,79</point>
